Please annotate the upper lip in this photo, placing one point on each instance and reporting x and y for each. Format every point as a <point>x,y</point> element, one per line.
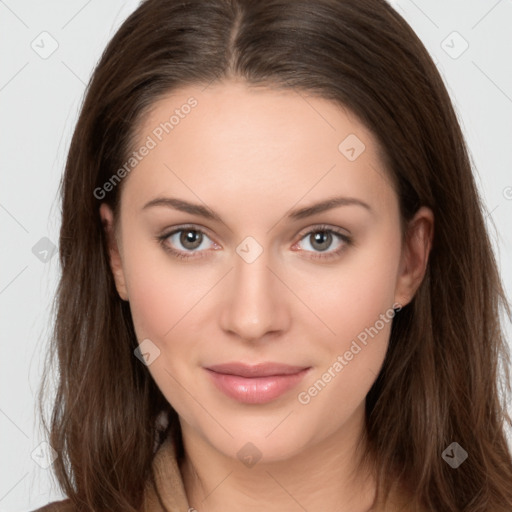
<point>256,370</point>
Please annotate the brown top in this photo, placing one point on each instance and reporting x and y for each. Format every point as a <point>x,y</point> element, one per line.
<point>169,483</point>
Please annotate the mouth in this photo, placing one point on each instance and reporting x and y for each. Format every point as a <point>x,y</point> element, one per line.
<point>255,384</point>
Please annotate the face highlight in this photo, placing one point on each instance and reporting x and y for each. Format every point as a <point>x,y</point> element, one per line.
<point>264,228</point>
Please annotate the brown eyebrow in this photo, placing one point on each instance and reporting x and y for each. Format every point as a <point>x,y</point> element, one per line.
<point>183,206</point>
<point>328,204</point>
<point>301,213</point>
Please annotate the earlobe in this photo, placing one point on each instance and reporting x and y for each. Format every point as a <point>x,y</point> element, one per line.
<point>107,219</point>
<point>415,254</point>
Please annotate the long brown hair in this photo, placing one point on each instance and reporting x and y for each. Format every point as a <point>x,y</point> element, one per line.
<point>445,377</point>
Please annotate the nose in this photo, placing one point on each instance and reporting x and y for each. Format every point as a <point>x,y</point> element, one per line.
<point>256,303</point>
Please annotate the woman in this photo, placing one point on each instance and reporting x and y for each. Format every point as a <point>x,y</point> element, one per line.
<point>277,288</point>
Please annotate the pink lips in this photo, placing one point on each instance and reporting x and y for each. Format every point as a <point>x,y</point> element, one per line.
<point>255,384</point>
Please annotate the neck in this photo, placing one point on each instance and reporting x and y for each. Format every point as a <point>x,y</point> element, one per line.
<point>325,475</point>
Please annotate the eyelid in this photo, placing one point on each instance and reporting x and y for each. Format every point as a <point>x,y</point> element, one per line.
<point>323,227</point>
<point>301,234</point>
<point>193,227</point>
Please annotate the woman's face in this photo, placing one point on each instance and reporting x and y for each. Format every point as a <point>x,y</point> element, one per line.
<point>264,269</point>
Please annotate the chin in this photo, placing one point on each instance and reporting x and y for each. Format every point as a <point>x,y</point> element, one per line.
<point>260,442</point>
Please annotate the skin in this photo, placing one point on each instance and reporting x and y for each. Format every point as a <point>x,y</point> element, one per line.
<point>251,155</point>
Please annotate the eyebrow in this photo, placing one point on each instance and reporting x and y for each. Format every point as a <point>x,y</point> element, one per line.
<point>297,214</point>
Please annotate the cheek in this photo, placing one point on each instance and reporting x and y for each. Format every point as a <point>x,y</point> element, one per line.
<point>351,296</point>
<point>162,299</point>
<point>162,293</point>
<point>356,303</point>
<point>153,304</point>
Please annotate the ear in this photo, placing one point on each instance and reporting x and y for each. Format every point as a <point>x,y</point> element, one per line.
<point>415,252</point>
<point>107,218</point>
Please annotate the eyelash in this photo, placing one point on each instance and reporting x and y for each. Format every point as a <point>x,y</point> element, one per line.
<point>347,241</point>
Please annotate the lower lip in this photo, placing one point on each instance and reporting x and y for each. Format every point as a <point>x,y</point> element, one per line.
<point>255,390</point>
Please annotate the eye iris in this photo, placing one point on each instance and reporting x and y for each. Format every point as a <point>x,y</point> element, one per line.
<point>321,240</point>
<point>191,239</point>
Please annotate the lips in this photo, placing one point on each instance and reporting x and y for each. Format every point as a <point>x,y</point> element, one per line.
<point>255,384</point>
<point>256,370</point>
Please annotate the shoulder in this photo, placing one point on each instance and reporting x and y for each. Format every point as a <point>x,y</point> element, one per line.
<point>57,506</point>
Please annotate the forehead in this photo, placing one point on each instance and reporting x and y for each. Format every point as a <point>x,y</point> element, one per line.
<point>235,141</point>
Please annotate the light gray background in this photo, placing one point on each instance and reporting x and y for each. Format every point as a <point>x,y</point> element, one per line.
<point>40,98</point>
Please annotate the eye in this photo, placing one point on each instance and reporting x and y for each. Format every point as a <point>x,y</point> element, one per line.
<point>323,239</point>
<point>185,241</point>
